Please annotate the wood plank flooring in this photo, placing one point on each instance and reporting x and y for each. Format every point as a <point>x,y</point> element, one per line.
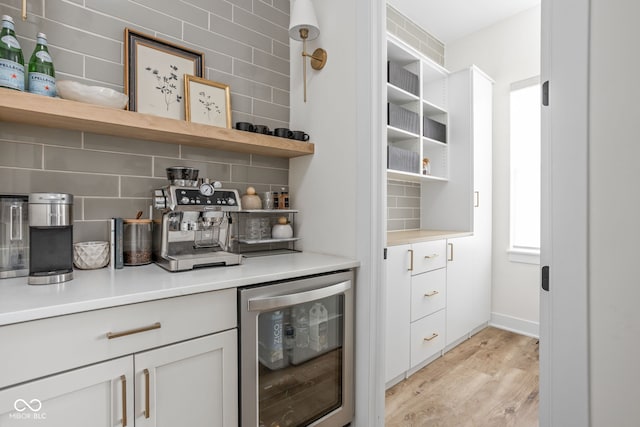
<point>490,380</point>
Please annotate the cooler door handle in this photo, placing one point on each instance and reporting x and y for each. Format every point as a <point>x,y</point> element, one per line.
<point>281,301</point>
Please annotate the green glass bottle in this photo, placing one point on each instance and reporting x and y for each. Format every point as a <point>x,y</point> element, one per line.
<point>11,59</point>
<point>42,76</point>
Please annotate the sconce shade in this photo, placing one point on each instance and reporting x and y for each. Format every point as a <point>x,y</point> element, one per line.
<point>303,16</point>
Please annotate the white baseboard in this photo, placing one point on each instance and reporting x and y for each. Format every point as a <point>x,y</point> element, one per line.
<point>514,324</point>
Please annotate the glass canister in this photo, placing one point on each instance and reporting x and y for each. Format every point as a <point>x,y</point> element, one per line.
<point>136,241</point>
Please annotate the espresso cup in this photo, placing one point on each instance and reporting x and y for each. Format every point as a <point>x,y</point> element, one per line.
<point>246,126</point>
<point>261,129</point>
<point>300,135</point>
<point>282,132</point>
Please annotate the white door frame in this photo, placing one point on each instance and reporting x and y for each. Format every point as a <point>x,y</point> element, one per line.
<point>564,351</point>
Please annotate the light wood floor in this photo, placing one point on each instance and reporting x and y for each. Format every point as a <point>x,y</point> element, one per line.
<point>489,380</point>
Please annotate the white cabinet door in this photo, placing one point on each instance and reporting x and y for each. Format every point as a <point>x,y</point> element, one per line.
<point>193,383</point>
<point>460,283</point>
<point>483,196</point>
<point>398,292</point>
<point>99,395</point>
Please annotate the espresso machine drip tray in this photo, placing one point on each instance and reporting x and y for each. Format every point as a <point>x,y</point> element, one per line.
<point>189,262</point>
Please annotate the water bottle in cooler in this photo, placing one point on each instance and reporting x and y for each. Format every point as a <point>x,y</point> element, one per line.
<point>318,327</point>
<point>271,340</point>
<point>301,327</point>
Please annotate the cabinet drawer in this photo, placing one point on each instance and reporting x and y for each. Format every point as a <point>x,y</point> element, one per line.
<point>42,347</point>
<point>429,256</point>
<point>427,337</point>
<point>428,293</point>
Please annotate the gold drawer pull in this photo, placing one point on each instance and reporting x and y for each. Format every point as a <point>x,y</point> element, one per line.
<point>146,393</point>
<point>430,294</point>
<point>123,379</point>
<point>111,335</point>
<point>431,256</point>
<point>432,337</point>
<point>411,262</point>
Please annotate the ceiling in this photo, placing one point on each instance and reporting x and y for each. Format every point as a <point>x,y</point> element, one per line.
<point>449,20</point>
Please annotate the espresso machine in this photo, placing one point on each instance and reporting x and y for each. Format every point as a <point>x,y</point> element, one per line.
<point>191,222</point>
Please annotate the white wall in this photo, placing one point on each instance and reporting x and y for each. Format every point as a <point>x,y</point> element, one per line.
<point>614,203</point>
<point>339,189</point>
<point>508,51</point>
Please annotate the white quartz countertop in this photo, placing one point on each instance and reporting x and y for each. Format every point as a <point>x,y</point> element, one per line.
<point>96,289</point>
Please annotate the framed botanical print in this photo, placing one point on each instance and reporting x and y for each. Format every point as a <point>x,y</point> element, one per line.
<point>154,74</point>
<point>207,102</point>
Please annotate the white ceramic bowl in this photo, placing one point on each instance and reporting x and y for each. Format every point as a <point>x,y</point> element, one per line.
<point>282,231</point>
<point>90,255</point>
<point>104,96</point>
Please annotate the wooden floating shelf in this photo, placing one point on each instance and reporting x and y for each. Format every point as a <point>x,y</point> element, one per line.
<point>27,108</point>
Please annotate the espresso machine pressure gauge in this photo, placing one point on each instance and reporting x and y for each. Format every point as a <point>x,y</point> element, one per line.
<point>206,189</point>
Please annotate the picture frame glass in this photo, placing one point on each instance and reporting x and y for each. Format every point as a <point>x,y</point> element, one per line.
<point>154,74</point>
<point>207,102</point>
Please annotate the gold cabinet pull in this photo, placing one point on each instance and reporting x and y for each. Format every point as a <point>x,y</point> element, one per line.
<point>450,252</point>
<point>24,10</point>
<point>477,203</point>
<point>411,262</point>
<point>431,256</point>
<point>146,393</point>
<point>123,380</point>
<point>430,294</point>
<point>432,337</point>
<point>112,335</point>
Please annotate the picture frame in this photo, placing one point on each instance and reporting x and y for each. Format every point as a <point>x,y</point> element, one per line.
<point>154,74</point>
<point>207,102</point>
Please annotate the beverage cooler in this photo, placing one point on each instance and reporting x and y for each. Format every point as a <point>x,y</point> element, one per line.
<point>296,352</point>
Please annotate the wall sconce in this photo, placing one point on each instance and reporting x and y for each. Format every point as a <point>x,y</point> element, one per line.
<point>302,27</point>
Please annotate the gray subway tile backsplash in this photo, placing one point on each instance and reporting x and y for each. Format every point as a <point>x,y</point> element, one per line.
<point>103,209</point>
<point>403,205</point>
<point>73,160</point>
<point>94,141</point>
<point>19,155</point>
<point>104,71</point>
<point>261,25</point>
<point>402,27</point>
<point>254,174</point>
<point>254,73</point>
<point>145,17</point>
<point>24,181</point>
<point>245,45</point>
<point>23,133</point>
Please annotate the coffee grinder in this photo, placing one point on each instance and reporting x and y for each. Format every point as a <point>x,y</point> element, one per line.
<point>51,238</point>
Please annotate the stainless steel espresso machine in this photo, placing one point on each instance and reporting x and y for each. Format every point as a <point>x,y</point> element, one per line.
<point>191,222</point>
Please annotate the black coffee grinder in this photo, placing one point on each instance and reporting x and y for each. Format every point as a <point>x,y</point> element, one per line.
<point>51,238</point>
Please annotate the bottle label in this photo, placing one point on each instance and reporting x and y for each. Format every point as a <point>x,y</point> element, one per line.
<point>44,56</point>
<point>11,74</point>
<point>11,41</point>
<point>42,84</point>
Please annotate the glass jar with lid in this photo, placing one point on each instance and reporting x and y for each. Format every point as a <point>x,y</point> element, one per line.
<point>137,241</point>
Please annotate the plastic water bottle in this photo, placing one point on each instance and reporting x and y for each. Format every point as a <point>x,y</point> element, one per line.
<point>302,328</point>
<point>318,327</point>
<point>11,59</point>
<point>42,75</point>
